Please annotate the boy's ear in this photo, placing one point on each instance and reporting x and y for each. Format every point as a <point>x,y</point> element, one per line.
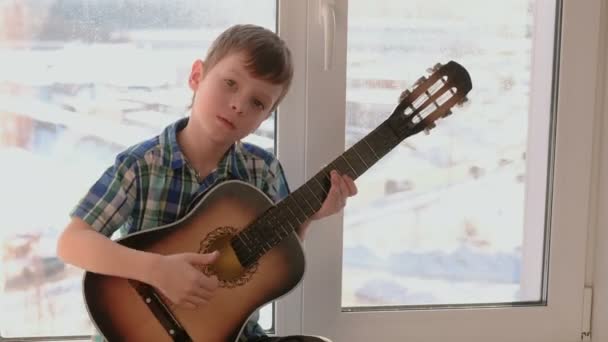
<point>196,74</point>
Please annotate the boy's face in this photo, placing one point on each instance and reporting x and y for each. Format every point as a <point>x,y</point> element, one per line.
<point>229,102</point>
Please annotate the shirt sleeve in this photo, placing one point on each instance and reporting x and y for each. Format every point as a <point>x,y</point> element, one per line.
<point>276,182</point>
<point>110,201</point>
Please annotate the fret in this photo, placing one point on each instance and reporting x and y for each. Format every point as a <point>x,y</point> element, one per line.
<point>342,167</point>
<point>243,243</point>
<point>301,198</point>
<point>247,239</point>
<point>370,148</point>
<point>253,251</point>
<point>355,174</point>
<point>263,239</point>
<point>239,246</point>
<point>364,150</point>
<point>318,201</point>
<point>289,203</point>
<point>298,204</point>
<point>266,234</point>
<point>254,236</point>
<point>381,139</point>
<point>269,245</point>
<point>285,217</point>
<point>272,226</point>
<point>283,229</point>
<point>376,142</point>
<point>291,226</point>
<point>293,214</point>
<point>324,188</point>
<point>354,149</point>
<point>355,161</point>
<point>275,222</point>
<point>326,176</point>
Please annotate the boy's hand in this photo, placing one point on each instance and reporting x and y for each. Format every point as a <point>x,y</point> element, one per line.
<point>342,187</point>
<point>179,279</point>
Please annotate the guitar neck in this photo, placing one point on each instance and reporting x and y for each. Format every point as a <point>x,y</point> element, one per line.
<point>304,202</point>
<point>418,109</point>
<point>280,221</point>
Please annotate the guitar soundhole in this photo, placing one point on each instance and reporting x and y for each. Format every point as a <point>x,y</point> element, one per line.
<point>227,267</point>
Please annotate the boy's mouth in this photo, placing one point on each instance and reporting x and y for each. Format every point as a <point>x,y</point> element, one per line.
<point>226,122</point>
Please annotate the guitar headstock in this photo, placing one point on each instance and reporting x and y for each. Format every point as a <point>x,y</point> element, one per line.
<point>431,98</point>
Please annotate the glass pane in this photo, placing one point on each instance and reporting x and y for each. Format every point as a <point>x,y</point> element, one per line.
<point>79,82</point>
<point>440,220</point>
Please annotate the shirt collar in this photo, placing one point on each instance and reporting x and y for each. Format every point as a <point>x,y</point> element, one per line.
<point>175,158</point>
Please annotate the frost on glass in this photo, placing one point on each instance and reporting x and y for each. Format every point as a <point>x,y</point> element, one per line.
<point>440,219</point>
<point>79,82</point>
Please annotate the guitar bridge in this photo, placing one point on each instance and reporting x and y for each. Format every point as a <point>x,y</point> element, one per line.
<point>161,312</point>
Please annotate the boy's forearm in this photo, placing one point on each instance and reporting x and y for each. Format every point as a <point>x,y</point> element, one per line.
<point>87,249</point>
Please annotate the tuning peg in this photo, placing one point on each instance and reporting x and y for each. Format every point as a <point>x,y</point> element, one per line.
<point>419,81</point>
<point>448,113</point>
<point>434,68</point>
<point>428,128</point>
<point>404,94</point>
<point>463,101</point>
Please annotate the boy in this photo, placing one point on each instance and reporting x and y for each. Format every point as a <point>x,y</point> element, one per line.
<point>245,75</point>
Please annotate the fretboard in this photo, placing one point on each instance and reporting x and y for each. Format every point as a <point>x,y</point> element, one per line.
<point>284,218</point>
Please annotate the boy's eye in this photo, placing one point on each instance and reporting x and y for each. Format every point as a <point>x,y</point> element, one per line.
<point>230,83</point>
<point>258,104</point>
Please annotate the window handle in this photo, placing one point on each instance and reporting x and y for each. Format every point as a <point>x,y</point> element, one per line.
<point>327,17</point>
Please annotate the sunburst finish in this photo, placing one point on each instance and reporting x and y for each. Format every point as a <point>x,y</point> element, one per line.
<point>121,314</point>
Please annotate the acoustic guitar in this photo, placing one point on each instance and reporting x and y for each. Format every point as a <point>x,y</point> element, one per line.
<point>261,257</point>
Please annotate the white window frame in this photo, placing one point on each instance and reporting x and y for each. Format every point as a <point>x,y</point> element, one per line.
<point>560,320</point>
<point>597,256</point>
<point>291,139</point>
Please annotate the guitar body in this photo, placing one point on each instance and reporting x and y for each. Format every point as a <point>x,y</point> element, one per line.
<point>122,314</point>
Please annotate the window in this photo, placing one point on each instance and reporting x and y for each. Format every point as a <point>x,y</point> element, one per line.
<point>475,230</point>
<point>440,220</point>
<point>79,82</point>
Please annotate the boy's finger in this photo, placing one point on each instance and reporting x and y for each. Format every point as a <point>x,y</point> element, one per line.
<point>344,191</point>
<point>187,305</point>
<point>196,300</point>
<point>334,191</point>
<point>204,259</point>
<point>335,177</point>
<point>209,283</point>
<point>202,292</point>
<point>350,183</point>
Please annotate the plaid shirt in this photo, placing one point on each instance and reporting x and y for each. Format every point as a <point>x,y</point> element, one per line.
<point>151,184</point>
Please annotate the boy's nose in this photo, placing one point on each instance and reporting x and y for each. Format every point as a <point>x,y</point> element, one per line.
<point>237,107</point>
<point>234,107</point>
